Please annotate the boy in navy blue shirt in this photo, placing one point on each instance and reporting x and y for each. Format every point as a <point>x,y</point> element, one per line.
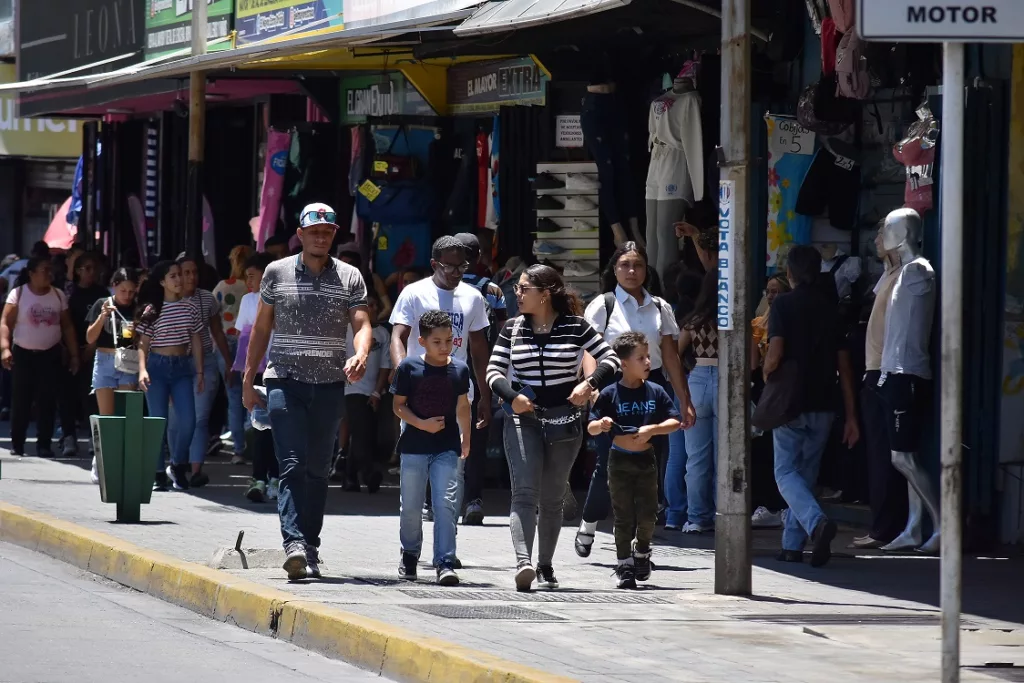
<point>633,410</point>
<point>432,399</point>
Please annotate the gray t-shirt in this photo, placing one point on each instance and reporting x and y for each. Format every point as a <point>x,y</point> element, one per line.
<point>311,316</point>
<point>908,321</point>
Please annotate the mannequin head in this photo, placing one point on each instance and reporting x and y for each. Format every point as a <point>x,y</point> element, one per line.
<point>901,234</point>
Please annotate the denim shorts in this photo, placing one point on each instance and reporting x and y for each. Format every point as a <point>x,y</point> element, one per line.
<point>105,376</point>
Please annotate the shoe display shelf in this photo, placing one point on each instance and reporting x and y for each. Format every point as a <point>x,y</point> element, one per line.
<point>568,218</point>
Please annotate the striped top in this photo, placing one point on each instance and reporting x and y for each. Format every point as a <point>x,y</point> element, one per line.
<point>178,321</point>
<point>550,364</point>
<point>208,307</point>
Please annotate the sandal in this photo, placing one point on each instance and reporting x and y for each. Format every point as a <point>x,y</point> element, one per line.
<point>583,549</point>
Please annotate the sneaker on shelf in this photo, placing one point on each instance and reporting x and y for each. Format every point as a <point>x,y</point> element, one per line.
<point>546,181</point>
<point>94,474</point>
<point>238,459</point>
<point>295,563</point>
<point>161,482</point>
<point>407,567</point>
<point>177,475</point>
<point>257,491</point>
<point>373,481</point>
<point>588,295</point>
<point>551,264</point>
<point>580,225</point>
<point>199,480</point>
<point>313,563</point>
<point>641,564</point>
<point>548,203</point>
<point>581,182</point>
<point>525,575</point>
<point>274,489</point>
<point>763,518</point>
<point>580,204</point>
<point>446,576</point>
<point>546,577</point>
<point>428,514</point>
<point>548,225</point>
<point>691,528</point>
<point>542,248</point>
<point>69,447</point>
<point>625,576</point>
<point>578,269</point>
<point>474,514</point>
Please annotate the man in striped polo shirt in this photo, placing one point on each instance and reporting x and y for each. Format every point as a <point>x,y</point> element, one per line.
<point>307,302</point>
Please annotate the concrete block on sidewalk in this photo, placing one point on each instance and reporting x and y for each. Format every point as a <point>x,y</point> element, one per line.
<point>249,558</point>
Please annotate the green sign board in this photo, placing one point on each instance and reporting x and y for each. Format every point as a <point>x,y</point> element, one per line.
<point>377,95</point>
<point>169,25</point>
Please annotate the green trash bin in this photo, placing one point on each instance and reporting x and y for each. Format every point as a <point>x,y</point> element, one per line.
<point>127,447</point>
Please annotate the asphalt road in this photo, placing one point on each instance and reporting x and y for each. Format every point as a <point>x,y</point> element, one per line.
<point>59,624</point>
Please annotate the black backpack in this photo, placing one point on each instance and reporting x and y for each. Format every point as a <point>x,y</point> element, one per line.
<point>609,306</point>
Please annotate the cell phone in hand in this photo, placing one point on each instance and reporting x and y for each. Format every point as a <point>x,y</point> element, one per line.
<point>526,391</point>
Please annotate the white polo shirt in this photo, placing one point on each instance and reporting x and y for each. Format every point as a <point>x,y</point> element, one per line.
<point>629,316</point>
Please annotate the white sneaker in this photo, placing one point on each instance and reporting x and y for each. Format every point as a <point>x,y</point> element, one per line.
<point>690,528</point>
<point>581,182</point>
<point>273,489</point>
<point>95,473</point>
<point>763,518</point>
<point>579,204</point>
<point>577,269</point>
<point>580,225</point>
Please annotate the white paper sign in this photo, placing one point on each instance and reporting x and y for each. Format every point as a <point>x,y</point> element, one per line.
<point>972,21</point>
<point>790,136</point>
<point>568,131</point>
<point>726,282</point>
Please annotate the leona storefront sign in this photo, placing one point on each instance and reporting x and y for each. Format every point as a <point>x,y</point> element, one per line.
<point>941,20</point>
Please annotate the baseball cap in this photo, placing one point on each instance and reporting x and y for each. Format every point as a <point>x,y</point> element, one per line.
<point>469,241</point>
<point>318,214</point>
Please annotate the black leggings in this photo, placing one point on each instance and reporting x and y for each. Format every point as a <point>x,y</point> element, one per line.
<point>36,379</point>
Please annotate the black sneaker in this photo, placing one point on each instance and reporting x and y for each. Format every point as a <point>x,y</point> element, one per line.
<point>199,480</point>
<point>446,575</point>
<point>407,567</point>
<point>176,473</point>
<point>822,537</point>
<point>546,577</point>
<point>161,482</point>
<point>295,563</point>
<point>18,451</point>
<point>641,564</point>
<point>313,563</point>
<point>548,225</point>
<point>626,576</point>
<point>373,481</point>
<point>795,556</point>
<point>547,203</point>
<point>546,181</point>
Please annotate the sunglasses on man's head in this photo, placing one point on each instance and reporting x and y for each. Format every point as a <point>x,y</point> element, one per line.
<point>320,216</point>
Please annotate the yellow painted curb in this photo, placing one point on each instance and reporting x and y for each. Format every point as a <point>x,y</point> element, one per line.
<point>388,650</point>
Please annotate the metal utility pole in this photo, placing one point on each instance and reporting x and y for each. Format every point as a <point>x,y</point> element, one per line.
<point>196,137</point>
<point>950,432</point>
<point>732,525</point>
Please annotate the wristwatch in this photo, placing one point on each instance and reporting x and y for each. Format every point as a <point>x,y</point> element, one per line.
<point>592,382</point>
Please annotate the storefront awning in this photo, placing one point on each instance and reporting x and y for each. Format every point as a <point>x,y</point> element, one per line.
<point>508,15</point>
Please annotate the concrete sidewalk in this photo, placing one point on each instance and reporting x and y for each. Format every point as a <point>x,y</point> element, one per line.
<point>861,618</point>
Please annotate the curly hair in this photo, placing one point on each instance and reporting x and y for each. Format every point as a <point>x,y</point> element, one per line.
<point>625,344</point>
<point>434,320</point>
<point>446,243</point>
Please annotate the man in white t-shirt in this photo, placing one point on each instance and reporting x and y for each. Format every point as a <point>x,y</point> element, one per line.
<point>446,291</point>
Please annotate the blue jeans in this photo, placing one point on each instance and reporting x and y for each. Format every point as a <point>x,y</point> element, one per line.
<point>202,406</point>
<point>236,411</point>
<point>170,379</point>
<point>675,477</point>
<point>304,419</point>
<point>442,471</point>
<point>702,446</point>
<point>798,448</point>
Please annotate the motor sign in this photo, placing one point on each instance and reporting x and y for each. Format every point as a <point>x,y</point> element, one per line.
<point>984,21</point>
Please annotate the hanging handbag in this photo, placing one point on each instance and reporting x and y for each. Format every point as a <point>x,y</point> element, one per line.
<point>391,166</point>
<point>782,399</point>
<point>561,424</point>
<point>126,358</point>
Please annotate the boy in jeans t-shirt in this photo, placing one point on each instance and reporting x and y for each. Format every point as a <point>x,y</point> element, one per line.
<point>432,399</point>
<point>633,410</point>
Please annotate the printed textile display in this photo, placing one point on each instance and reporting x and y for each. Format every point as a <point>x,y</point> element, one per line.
<point>790,153</point>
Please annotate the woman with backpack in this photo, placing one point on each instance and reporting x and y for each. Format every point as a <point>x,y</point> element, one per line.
<point>628,306</point>
<point>34,324</point>
<point>536,369</point>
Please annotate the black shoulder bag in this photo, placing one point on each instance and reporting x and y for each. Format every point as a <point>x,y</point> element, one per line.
<point>561,424</point>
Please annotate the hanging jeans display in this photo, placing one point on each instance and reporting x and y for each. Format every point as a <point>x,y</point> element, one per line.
<point>790,153</point>
<point>605,132</point>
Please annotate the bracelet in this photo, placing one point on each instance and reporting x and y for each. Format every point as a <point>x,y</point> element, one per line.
<point>375,394</point>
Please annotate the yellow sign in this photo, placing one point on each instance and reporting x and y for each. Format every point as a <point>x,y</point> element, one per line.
<point>380,166</point>
<point>369,190</point>
<point>46,138</point>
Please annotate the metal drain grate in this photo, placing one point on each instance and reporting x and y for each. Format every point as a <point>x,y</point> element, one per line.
<point>1013,674</point>
<point>503,612</point>
<point>381,581</point>
<point>846,619</point>
<point>538,596</point>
